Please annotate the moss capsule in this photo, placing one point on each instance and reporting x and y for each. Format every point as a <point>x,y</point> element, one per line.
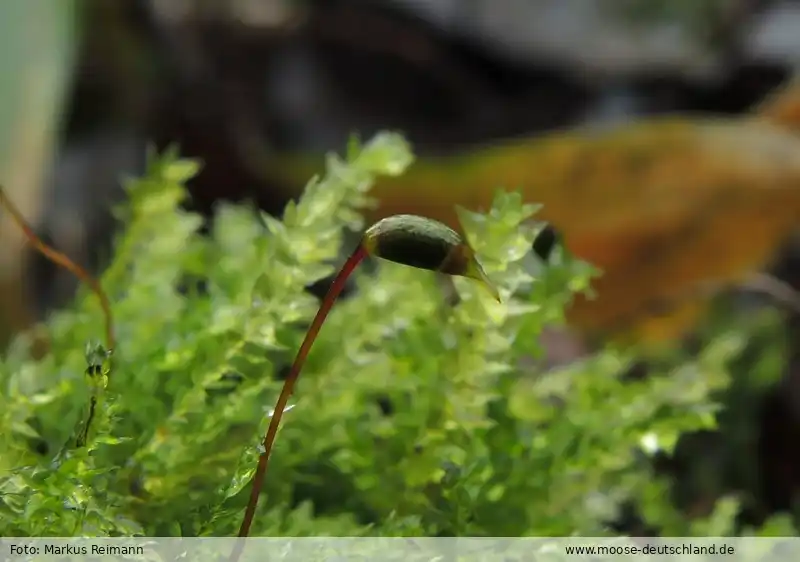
<point>405,239</point>
<point>424,243</point>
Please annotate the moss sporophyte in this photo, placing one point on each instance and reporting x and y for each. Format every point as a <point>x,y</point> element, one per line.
<point>410,240</point>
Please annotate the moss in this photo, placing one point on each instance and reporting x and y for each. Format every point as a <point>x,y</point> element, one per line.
<point>472,444</point>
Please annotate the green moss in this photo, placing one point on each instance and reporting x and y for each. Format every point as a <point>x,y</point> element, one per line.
<point>473,444</point>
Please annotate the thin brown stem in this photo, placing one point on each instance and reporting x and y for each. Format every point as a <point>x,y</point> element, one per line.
<point>288,388</point>
<point>60,259</point>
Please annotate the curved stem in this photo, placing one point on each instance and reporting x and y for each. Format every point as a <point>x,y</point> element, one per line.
<point>60,259</point>
<point>288,387</point>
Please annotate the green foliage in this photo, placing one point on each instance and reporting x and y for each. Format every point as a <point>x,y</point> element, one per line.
<point>480,440</point>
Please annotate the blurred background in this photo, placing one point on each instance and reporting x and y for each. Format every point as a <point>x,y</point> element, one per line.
<point>86,85</point>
